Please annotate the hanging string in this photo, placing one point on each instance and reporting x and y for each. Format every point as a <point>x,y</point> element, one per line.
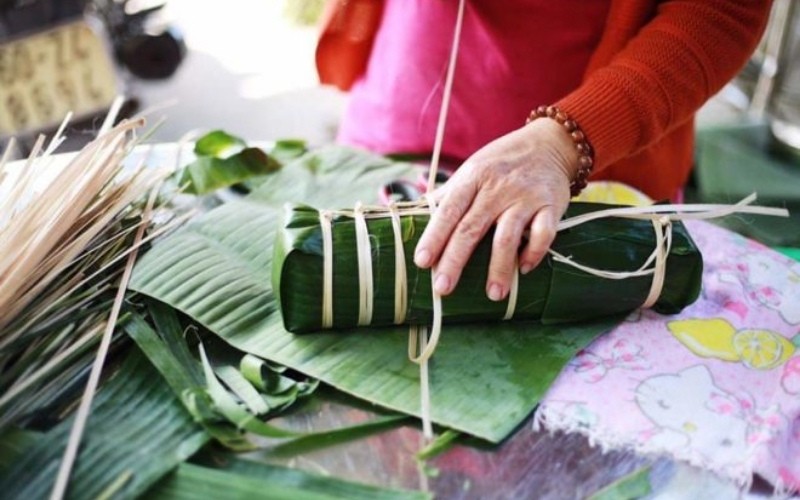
<point>424,346</point>
<point>417,341</point>
<point>448,90</point>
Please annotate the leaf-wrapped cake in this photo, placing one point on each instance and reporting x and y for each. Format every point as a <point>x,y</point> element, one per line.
<point>341,269</point>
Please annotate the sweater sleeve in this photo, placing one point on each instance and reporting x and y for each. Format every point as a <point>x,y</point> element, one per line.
<point>681,57</point>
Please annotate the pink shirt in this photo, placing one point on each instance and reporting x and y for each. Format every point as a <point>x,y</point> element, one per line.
<point>514,55</point>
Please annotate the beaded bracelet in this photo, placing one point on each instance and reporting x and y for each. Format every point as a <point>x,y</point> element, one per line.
<point>585,161</point>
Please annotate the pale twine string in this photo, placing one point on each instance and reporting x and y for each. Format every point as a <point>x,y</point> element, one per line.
<point>400,277</point>
<point>513,292</point>
<point>366,294</point>
<point>366,283</point>
<point>361,213</point>
<point>663,229</point>
<point>418,340</point>
<point>426,347</point>
<point>420,347</point>
<point>327,268</point>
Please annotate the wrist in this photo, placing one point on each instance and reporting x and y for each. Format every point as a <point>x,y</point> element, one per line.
<point>577,151</point>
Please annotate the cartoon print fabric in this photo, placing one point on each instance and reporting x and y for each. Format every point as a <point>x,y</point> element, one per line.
<point>717,386</point>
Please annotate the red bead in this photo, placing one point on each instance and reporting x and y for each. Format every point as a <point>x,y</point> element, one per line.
<point>551,111</point>
<point>570,125</point>
<point>561,117</point>
<point>586,162</point>
<point>578,136</point>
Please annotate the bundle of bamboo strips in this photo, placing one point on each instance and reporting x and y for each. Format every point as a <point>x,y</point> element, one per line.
<point>66,222</point>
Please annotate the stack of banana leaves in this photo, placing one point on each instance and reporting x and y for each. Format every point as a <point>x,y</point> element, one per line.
<point>205,391</point>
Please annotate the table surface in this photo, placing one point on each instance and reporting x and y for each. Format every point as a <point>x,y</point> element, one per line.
<point>529,464</point>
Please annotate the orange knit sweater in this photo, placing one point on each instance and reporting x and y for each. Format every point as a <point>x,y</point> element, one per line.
<point>655,66</point>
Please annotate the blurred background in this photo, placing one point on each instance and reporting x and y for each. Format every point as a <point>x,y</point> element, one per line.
<point>249,70</point>
<point>247,67</point>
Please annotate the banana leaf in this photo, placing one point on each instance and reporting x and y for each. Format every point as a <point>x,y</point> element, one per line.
<point>486,377</point>
<point>629,487</point>
<point>555,292</point>
<point>224,160</point>
<point>14,442</point>
<point>245,479</point>
<point>138,431</point>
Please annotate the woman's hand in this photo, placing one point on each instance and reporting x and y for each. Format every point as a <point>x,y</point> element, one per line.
<point>519,181</point>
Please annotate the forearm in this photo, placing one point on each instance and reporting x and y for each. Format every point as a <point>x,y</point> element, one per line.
<point>678,60</point>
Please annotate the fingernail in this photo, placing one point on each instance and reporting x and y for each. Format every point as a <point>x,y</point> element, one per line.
<point>422,258</point>
<point>526,268</point>
<point>495,292</point>
<point>442,284</point>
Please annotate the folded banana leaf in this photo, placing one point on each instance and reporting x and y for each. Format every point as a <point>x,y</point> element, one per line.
<point>554,292</point>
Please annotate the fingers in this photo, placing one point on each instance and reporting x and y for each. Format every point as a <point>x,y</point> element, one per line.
<point>448,215</point>
<point>466,236</point>
<point>517,181</point>
<point>505,246</point>
<point>543,232</point>
<point>463,218</point>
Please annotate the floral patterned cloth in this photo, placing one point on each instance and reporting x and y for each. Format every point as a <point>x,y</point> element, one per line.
<point>717,386</point>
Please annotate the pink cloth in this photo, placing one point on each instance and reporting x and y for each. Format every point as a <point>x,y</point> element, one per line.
<point>717,386</point>
<point>514,55</point>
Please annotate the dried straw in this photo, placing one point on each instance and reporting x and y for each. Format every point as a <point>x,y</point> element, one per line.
<point>61,242</point>
<point>66,223</point>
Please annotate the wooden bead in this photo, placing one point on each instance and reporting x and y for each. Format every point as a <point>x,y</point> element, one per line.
<point>585,160</point>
